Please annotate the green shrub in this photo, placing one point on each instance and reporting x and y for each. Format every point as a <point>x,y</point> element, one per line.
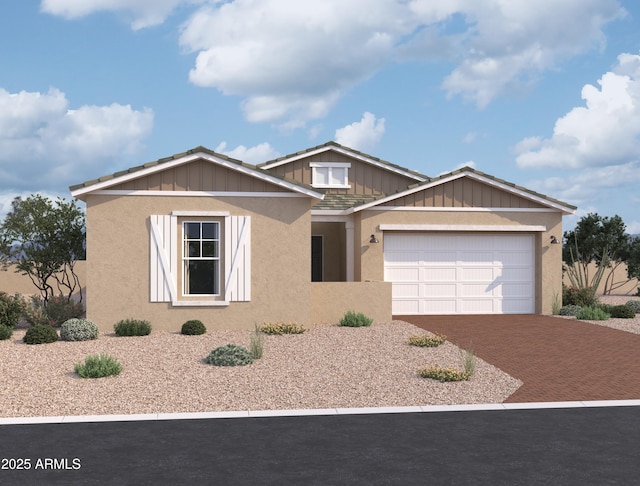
<point>59,309</point>
<point>78,330</point>
<point>5,332</point>
<point>424,340</point>
<point>583,297</point>
<point>132,327</point>
<point>570,310</point>
<point>280,328</point>
<point>40,334</point>
<point>622,312</point>
<point>11,308</point>
<point>351,319</point>
<point>635,305</point>
<point>193,328</point>
<point>592,314</point>
<point>443,374</point>
<point>230,355</point>
<point>98,366</point>
<point>256,346</point>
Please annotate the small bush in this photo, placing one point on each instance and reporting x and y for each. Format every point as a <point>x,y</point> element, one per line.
<point>132,327</point>
<point>230,355</point>
<point>592,314</point>
<point>424,340</point>
<point>40,334</point>
<point>622,312</point>
<point>11,308</point>
<point>5,332</point>
<point>570,310</point>
<point>635,305</point>
<point>35,312</point>
<point>256,346</point>
<point>193,328</point>
<point>98,366</point>
<point>584,297</point>
<point>443,374</point>
<point>59,309</point>
<point>281,328</point>
<point>351,319</point>
<point>78,330</point>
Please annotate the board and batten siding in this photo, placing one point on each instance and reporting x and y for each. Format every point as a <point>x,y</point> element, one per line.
<point>164,259</point>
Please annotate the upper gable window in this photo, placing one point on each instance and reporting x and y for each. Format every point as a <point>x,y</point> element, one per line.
<point>330,174</point>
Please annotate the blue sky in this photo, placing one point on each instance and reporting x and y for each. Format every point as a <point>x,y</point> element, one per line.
<point>544,94</point>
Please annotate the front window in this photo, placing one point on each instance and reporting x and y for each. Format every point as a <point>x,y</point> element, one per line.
<point>201,258</point>
<point>328,174</point>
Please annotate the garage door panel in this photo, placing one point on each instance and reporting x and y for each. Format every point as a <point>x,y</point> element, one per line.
<point>476,274</point>
<point>403,290</point>
<point>448,273</point>
<point>439,274</point>
<point>439,290</point>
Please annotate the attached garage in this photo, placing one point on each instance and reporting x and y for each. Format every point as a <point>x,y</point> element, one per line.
<point>460,273</point>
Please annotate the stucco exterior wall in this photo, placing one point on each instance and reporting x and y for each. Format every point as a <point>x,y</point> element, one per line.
<point>548,257</point>
<point>331,300</point>
<point>118,267</point>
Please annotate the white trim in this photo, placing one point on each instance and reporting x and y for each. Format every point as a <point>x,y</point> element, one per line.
<point>463,209</point>
<point>257,173</point>
<point>472,175</point>
<point>350,154</point>
<point>340,165</point>
<point>329,218</point>
<point>200,303</point>
<point>321,213</point>
<point>200,213</point>
<point>461,227</point>
<point>118,192</point>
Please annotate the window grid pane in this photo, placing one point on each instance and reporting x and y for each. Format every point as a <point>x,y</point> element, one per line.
<point>201,257</point>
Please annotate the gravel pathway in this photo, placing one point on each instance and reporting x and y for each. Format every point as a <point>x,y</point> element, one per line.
<point>326,367</point>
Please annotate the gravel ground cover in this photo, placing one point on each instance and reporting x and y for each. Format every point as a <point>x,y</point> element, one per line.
<point>326,367</point>
<point>628,325</point>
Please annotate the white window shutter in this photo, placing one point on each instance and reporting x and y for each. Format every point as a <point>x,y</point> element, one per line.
<point>238,258</point>
<point>163,258</point>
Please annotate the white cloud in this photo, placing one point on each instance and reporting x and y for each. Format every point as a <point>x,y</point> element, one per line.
<point>363,135</point>
<point>592,185</point>
<point>142,13</point>
<point>470,137</point>
<point>291,61</point>
<point>604,132</point>
<point>253,155</point>
<point>44,144</point>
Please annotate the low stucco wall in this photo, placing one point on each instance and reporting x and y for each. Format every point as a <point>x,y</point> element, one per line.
<point>623,285</point>
<point>16,283</point>
<point>330,300</point>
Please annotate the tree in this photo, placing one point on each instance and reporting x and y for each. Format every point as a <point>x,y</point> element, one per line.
<point>598,239</point>
<point>44,239</point>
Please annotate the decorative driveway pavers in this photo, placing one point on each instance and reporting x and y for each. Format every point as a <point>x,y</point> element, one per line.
<point>557,359</point>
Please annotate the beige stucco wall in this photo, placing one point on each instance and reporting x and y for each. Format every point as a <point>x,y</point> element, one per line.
<point>548,258</point>
<point>624,286</point>
<point>118,261</point>
<point>12,282</point>
<point>333,257</point>
<point>330,300</point>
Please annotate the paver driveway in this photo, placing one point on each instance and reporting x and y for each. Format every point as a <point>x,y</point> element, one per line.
<point>557,359</point>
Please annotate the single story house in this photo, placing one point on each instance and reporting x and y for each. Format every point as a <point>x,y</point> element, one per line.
<point>306,237</point>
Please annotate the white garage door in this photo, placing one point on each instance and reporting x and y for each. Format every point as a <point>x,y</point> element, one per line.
<point>454,273</point>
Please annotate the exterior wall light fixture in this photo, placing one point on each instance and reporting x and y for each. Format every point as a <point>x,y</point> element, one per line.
<point>554,241</point>
<point>373,239</point>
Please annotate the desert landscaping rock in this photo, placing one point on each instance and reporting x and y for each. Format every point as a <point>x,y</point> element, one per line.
<point>326,367</point>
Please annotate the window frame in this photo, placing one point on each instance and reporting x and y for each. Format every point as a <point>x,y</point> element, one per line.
<point>330,166</point>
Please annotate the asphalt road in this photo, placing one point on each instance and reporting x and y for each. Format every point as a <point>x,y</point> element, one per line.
<point>581,446</point>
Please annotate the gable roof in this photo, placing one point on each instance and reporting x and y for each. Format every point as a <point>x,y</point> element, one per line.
<point>349,152</point>
<point>198,153</point>
<point>477,175</point>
